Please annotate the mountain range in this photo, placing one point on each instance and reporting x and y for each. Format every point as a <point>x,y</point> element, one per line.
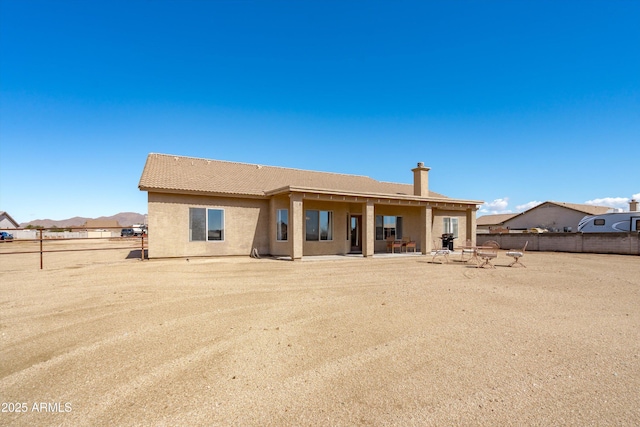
<point>123,218</point>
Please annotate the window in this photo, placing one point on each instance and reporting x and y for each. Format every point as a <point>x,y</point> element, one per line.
<point>197,224</point>
<point>326,225</point>
<point>599,221</point>
<point>450,225</point>
<point>206,224</point>
<point>388,226</point>
<point>282,224</point>
<point>215,224</point>
<point>319,225</point>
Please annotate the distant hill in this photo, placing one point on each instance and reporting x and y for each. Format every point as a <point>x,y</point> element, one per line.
<point>123,218</point>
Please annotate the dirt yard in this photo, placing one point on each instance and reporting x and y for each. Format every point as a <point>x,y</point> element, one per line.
<point>96,339</point>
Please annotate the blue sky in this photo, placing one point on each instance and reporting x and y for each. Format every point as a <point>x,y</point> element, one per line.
<point>510,102</point>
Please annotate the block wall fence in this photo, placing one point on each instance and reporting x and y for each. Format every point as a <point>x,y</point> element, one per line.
<point>599,243</point>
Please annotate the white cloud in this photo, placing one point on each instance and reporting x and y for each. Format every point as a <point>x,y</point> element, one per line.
<point>498,206</point>
<point>501,206</point>
<point>527,206</point>
<point>611,202</point>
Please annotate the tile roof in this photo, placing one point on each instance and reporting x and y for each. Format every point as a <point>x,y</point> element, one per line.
<point>496,219</point>
<point>187,174</point>
<point>588,209</point>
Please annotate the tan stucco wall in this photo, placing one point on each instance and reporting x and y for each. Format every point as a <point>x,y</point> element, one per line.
<point>280,248</point>
<point>339,245</point>
<point>246,223</point>
<point>438,226</point>
<point>251,223</point>
<point>410,223</point>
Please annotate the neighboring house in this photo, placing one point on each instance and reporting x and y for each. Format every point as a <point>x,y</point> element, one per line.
<point>6,222</point>
<point>552,216</point>
<point>493,223</point>
<point>200,207</point>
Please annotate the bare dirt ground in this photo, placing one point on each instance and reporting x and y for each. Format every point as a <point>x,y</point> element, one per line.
<point>96,339</point>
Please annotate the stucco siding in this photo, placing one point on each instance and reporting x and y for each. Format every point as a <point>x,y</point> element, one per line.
<point>438,226</point>
<point>279,247</point>
<point>251,223</point>
<point>339,244</point>
<point>410,223</point>
<point>246,226</point>
<point>411,218</point>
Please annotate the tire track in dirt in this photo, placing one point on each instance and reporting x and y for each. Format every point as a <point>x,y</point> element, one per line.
<point>52,341</point>
<point>76,357</point>
<point>175,369</point>
<point>114,341</point>
<point>305,389</point>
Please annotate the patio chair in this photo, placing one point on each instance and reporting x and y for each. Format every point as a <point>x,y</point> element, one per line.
<point>393,244</point>
<point>468,249</point>
<point>517,254</point>
<point>487,252</point>
<point>440,252</point>
<point>407,243</point>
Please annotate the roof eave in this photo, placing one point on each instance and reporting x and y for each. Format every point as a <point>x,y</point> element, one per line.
<point>201,192</point>
<point>369,195</point>
<point>312,190</point>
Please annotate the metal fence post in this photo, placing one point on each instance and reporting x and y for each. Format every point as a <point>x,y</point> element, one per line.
<point>40,248</point>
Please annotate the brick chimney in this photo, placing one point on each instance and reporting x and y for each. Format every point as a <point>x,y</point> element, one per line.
<point>421,180</point>
<point>633,205</point>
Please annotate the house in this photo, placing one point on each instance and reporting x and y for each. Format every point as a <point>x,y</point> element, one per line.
<point>201,207</point>
<point>493,223</point>
<point>6,222</point>
<point>552,216</point>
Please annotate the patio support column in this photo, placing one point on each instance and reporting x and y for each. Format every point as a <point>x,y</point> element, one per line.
<point>426,219</point>
<point>471,225</point>
<point>272,225</point>
<point>296,226</point>
<point>369,226</point>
